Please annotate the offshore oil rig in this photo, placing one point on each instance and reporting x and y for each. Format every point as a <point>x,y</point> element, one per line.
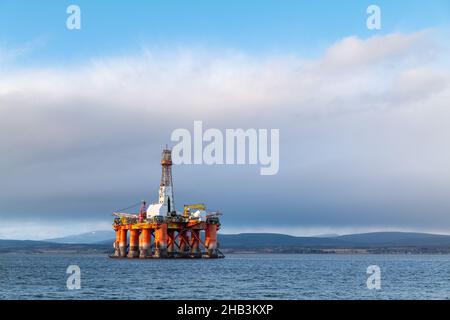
<point>159,231</point>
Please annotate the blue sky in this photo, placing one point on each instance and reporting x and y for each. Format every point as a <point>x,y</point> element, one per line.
<point>363,115</point>
<point>263,27</point>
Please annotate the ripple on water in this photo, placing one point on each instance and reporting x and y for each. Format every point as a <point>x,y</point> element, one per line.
<point>235,277</point>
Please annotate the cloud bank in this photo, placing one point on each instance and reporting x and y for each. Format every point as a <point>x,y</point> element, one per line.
<point>364,134</point>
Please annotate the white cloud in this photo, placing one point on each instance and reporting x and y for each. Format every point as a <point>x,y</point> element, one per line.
<point>54,109</point>
<point>353,52</point>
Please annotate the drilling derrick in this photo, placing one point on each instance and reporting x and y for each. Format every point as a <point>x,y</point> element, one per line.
<point>159,231</point>
<point>166,185</point>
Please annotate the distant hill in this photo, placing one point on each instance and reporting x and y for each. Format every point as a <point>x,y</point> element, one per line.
<point>270,240</point>
<point>376,242</point>
<point>258,240</point>
<point>363,240</point>
<point>88,237</point>
<point>326,235</point>
<point>29,246</point>
<point>396,239</point>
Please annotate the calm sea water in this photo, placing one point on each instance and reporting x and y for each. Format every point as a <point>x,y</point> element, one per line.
<point>235,277</point>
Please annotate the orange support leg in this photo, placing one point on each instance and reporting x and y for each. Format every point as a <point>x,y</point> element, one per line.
<point>211,240</point>
<point>116,244</point>
<point>183,235</point>
<point>195,244</point>
<point>171,243</point>
<point>123,243</point>
<point>133,252</point>
<point>161,241</point>
<point>145,240</point>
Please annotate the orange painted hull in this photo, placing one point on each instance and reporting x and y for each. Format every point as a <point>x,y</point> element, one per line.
<point>193,239</point>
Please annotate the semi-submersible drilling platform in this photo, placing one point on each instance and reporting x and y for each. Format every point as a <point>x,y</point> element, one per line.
<point>159,231</point>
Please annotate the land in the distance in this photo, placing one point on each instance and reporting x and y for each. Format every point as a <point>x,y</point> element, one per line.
<point>377,242</point>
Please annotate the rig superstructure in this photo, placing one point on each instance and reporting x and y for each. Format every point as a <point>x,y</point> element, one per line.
<point>159,231</point>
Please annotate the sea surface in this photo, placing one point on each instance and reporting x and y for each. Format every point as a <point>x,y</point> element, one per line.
<point>238,276</point>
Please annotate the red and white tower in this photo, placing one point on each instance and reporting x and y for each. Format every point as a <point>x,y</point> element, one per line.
<point>166,186</point>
